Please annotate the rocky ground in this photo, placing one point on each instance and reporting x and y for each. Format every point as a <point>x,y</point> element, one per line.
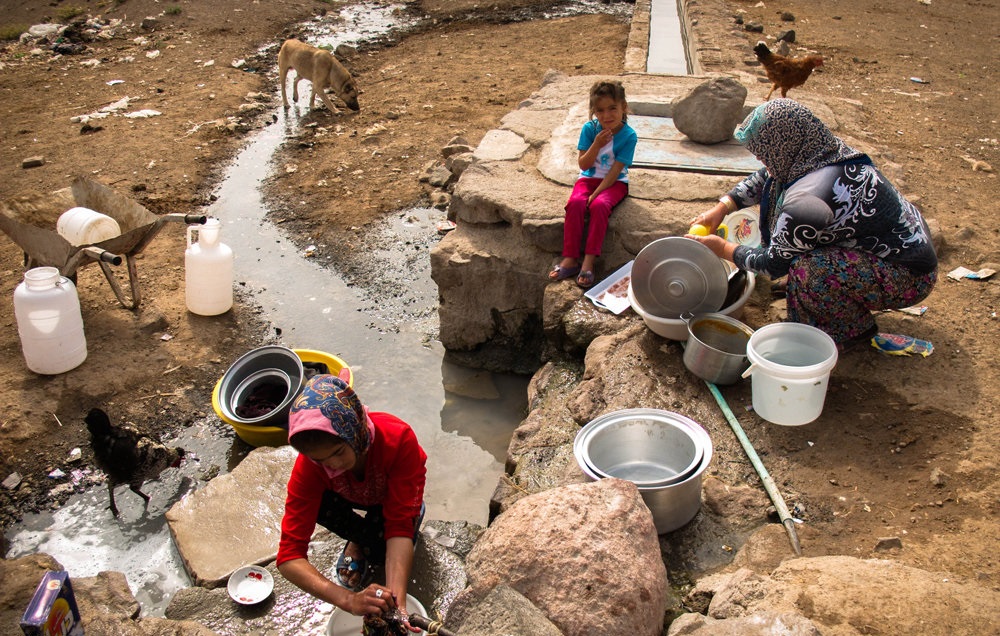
<point>918,77</point>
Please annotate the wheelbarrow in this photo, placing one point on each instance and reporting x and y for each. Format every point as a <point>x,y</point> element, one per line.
<point>30,222</point>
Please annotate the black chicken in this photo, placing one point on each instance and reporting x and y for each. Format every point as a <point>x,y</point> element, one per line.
<point>126,455</point>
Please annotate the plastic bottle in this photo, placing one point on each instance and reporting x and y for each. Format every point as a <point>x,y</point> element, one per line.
<point>83,226</point>
<point>49,322</point>
<point>208,271</point>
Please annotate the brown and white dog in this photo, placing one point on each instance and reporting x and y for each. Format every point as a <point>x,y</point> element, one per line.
<point>322,69</point>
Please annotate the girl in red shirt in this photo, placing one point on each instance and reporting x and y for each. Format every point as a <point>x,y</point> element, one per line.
<point>351,460</point>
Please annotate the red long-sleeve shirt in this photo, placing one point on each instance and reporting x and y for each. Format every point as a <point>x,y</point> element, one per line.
<point>395,474</point>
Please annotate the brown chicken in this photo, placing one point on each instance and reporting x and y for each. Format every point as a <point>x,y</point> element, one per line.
<point>785,72</point>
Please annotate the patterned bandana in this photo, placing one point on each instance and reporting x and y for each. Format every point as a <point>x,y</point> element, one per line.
<point>327,403</point>
<point>790,141</point>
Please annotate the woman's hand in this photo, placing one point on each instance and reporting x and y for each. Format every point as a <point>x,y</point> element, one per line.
<point>374,599</point>
<point>711,218</point>
<point>719,246</point>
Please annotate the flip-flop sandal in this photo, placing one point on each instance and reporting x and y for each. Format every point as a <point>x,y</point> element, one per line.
<point>352,565</point>
<point>585,279</point>
<point>562,273</point>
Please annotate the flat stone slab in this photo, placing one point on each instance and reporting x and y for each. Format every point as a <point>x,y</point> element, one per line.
<point>235,520</point>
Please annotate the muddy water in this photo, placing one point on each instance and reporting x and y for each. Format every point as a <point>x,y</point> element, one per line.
<point>390,345</point>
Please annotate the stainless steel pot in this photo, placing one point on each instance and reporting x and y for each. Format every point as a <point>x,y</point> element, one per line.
<point>716,348</point>
<point>271,366</point>
<point>672,505</point>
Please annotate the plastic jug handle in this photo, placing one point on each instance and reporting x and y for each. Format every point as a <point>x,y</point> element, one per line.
<point>190,229</point>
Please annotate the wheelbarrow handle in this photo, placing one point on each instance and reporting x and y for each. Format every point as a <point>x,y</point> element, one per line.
<point>186,218</point>
<point>99,254</point>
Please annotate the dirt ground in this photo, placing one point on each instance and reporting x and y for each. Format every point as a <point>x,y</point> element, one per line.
<point>457,76</point>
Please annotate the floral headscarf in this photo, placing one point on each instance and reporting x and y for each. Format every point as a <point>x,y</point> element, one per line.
<point>328,404</point>
<point>790,140</point>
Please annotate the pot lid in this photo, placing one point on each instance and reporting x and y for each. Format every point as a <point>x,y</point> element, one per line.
<point>676,275</point>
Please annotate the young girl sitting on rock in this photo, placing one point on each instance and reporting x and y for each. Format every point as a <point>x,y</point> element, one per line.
<point>607,145</point>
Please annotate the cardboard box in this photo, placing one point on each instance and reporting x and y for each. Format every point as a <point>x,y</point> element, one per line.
<point>52,610</point>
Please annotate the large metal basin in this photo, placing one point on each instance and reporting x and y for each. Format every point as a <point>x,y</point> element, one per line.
<point>648,451</point>
<point>272,369</point>
<point>672,505</point>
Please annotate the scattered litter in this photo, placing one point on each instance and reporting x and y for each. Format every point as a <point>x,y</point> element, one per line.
<point>811,443</point>
<point>142,114</point>
<point>75,455</point>
<point>238,63</point>
<point>927,2</point>
<point>166,337</point>
<point>114,107</point>
<point>445,540</point>
<point>446,226</point>
<point>153,54</point>
<point>57,474</point>
<point>209,63</point>
<point>310,251</point>
<point>13,481</point>
<point>899,345</point>
<point>114,82</point>
<point>917,80</point>
<point>90,63</point>
<point>290,168</point>
<point>915,310</point>
<point>962,272</point>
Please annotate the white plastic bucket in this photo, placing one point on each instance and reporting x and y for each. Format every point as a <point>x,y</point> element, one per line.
<point>790,366</point>
<point>208,271</point>
<point>83,226</point>
<point>49,322</point>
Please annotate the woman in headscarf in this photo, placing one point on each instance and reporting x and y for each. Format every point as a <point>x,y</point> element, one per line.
<point>351,460</point>
<point>847,240</point>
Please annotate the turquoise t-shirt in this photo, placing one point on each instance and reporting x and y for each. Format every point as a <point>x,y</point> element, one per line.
<point>621,148</point>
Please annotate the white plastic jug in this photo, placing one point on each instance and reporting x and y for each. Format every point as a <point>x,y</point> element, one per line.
<point>208,270</point>
<point>49,322</point>
<point>83,226</point>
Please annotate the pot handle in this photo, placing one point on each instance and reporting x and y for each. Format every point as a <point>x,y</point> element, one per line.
<point>686,317</point>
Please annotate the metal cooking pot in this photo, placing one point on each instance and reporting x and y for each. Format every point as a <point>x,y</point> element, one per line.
<point>716,349</point>
<point>672,505</point>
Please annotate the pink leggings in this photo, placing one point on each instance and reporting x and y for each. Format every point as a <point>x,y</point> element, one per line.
<point>600,210</point>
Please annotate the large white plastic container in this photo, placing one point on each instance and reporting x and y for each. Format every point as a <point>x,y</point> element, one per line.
<point>208,271</point>
<point>83,226</point>
<point>49,322</point>
<point>790,365</point>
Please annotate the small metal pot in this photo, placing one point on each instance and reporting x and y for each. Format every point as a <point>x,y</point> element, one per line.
<point>716,348</point>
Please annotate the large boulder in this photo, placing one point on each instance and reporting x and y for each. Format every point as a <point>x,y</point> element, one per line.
<point>710,112</point>
<point>587,555</point>
<point>846,596</point>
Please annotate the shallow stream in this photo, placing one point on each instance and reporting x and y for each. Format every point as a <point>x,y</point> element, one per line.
<point>463,418</point>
